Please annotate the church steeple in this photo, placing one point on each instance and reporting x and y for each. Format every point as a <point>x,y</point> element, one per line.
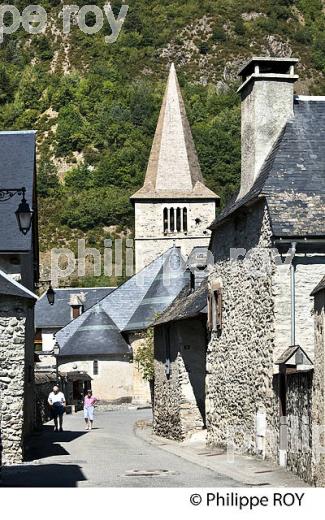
<point>173,207</point>
<point>173,168</point>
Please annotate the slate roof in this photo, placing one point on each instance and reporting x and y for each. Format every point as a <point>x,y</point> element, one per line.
<point>9,287</point>
<point>173,169</point>
<point>135,304</point>
<point>319,287</point>
<point>287,356</point>
<point>59,314</point>
<point>97,335</point>
<point>292,178</point>
<point>187,305</point>
<point>17,170</point>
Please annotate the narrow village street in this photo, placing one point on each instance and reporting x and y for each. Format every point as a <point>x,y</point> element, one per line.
<point>110,455</point>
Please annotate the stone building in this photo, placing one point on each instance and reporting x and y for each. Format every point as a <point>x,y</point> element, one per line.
<point>318,402</point>
<point>19,273</point>
<point>174,205</point>
<point>16,368</point>
<point>269,254</point>
<point>180,344</point>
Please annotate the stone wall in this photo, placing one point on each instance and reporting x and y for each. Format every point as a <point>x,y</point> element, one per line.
<point>318,407</point>
<point>242,374</point>
<point>299,402</point>
<point>12,378</point>
<point>240,358</point>
<point>179,408</point>
<point>150,241</point>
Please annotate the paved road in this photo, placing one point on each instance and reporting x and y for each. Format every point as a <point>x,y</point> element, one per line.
<point>111,455</point>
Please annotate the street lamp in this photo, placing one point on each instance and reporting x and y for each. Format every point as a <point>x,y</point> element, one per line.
<point>56,352</point>
<point>50,294</point>
<point>23,214</point>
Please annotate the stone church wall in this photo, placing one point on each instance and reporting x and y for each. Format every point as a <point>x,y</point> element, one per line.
<point>179,409</point>
<point>150,241</point>
<point>240,359</point>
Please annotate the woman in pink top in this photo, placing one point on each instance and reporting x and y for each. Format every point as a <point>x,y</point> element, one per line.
<point>89,403</point>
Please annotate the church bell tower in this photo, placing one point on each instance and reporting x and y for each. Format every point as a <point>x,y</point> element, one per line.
<point>174,207</point>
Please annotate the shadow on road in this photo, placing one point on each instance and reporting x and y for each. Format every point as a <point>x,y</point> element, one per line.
<point>46,443</point>
<point>47,475</point>
<point>43,444</point>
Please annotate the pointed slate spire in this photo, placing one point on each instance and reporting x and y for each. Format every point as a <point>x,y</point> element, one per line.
<point>173,168</point>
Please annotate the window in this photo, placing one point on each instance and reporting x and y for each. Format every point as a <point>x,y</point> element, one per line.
<point>215,307</point>
<point>77,310</point>
<point>165,220</point>
<point>185,220</point>
<point>38,341</point>
<point>95,368</point>
<point>172,220</point>
<point>175,220</point>
<point>178,220</point>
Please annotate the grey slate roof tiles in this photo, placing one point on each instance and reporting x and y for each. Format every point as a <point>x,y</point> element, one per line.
<point>9,287</point>
<point>59,314</point>
<point>17,167</point>
<point>98,335</point>
<point>135,304</point>
<point>173,169</point>
<point>293,176</point>
<point>187,305</point>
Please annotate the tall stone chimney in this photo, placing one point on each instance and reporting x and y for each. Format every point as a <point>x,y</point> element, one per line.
<point>267,104</point>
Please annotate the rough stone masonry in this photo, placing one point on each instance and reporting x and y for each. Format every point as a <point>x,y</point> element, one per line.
<point>12,379</point>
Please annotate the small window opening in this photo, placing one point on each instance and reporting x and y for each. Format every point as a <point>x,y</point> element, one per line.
<point>172,220</point>
<point>185,220</point>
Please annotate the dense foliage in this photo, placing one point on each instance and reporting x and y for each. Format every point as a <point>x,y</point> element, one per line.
<point>95,106</point>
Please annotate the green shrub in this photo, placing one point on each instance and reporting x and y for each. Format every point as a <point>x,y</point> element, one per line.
<point>219,34</point>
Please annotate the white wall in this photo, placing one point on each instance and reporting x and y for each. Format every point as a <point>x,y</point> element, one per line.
<point>48,340</point>
<point>309,270</point>
<point>114,380</point>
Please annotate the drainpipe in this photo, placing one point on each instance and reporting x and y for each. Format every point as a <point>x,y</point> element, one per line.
<point>293,293</point>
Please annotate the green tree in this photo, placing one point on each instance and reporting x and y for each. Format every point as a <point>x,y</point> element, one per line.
<point>47,180</point>
<point>144,356</point>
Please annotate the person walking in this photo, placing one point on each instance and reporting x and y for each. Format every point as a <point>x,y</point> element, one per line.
<point>89,405</point>
<point>57,403</point>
